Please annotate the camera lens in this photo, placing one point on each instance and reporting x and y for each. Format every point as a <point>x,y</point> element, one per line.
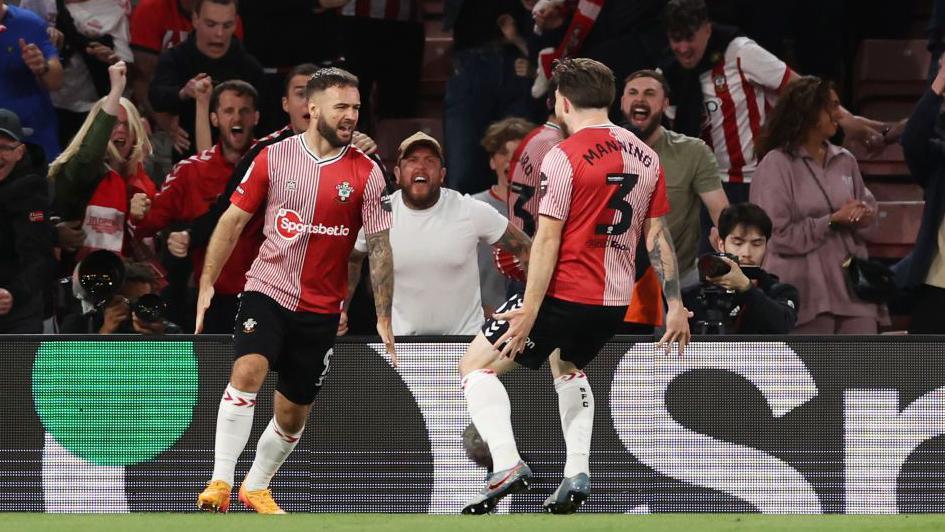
<point>150,308</point>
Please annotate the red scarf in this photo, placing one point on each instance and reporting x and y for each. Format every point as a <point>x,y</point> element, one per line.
<point>106,215</point>
<point>584,18</point>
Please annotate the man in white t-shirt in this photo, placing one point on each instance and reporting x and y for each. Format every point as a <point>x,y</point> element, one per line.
<point>434,236</point>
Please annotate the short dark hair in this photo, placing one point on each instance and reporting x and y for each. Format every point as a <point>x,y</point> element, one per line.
<point>498,133</point>
<point>745,214</point>
<point>683,17</point>
<point>240,87</point>
<point>304,69</point>
<point>589,84</point>
<point>139,272</point>
<point>646,73</point>
<point>324,78</point>
<point>199,4</point>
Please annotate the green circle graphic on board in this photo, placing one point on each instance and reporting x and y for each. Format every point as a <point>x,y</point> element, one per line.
<point>115,403</point>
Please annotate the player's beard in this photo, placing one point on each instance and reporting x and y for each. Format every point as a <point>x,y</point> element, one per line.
<point>330,134</point>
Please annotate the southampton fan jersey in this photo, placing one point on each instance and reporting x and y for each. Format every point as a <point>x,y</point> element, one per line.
<point>314,209</point>
<point>523,175</point>
<point>603,182</point>
<point>160,24</point>
<point>738,93</point>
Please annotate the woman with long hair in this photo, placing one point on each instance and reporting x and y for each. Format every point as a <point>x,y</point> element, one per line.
<point>820,207</point>
<point>98,175</point>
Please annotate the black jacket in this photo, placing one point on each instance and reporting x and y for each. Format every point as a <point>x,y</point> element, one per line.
<point>925,155</point>
<point>25,246</point>
<point>178,65</point>
<point>770,307</point>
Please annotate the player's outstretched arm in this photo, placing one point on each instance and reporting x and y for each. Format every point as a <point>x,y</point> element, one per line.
<point>516,242</point>
<point>382,280</point>
<point>221,246</point>
<point>659,245</point>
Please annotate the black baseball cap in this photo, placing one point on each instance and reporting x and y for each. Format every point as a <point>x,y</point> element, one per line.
<point>10,126</point>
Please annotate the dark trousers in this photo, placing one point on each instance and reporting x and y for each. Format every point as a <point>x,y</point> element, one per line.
<point>221,316</point>
<point>390,71</point>
<point>927,312</point>
<point>482,89</point>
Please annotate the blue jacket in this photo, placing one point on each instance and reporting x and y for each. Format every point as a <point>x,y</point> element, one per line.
<point>925,155</point>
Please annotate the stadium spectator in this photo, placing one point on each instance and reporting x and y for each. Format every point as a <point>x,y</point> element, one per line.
<point>603,31</point>
<point>501,142</point>
<point>434,236</point>
<point>212,52</point>
<point>692,174</point>
<point>393,70</point>
<point>924,268</point>
<point>101,169</point>
<point>723,85</point>
<point>31,68</point>
<point>127,312</point>
<point>94,35</point>
<point>195,184</point>
<point>484,86</point>
<point>754,301</point>
<point>936,36</point>
<point>157,25</point>
<point>820,208</point>
<point>25,249</point>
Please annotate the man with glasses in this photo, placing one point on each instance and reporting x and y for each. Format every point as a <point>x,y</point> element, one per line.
<point>25,250</point>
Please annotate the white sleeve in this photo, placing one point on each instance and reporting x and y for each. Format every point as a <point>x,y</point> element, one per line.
<point>761,66</point>
<point>360,244</point>
<point>122,39</point>
<point>488,223</point>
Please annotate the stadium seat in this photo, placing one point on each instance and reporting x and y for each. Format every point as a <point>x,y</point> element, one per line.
<point>391,131</point>
<point>889,162</point>
<point>890,70</point>
<point>897,229</point>
<point>437,65</point>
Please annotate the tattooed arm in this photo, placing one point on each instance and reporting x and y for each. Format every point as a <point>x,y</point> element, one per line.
<point>516,242</point>
<point>659,244</point>
<point>382,280</point>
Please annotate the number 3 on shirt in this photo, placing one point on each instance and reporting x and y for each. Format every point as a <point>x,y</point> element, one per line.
<point>625,184</point>
<point>525,193</point>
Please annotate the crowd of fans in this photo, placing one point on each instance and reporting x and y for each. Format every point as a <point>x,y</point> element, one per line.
<point>123,124</point>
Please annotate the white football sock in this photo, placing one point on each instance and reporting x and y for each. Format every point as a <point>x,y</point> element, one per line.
<point>273,448</point>
<point>491,412</point>
<point>576,406</point>
<point>234,423</point>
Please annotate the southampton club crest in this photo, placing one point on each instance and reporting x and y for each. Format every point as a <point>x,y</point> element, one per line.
<point>344,191</point>
<point>249,326</point>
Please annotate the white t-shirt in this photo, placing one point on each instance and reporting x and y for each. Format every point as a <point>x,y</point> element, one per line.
<point>436,272</point>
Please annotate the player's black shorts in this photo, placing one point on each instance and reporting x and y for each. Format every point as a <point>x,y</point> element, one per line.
<point>577,329</point>
<point>297,344</point>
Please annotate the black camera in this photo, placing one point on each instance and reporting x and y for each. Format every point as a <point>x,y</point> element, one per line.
<point>716,302</point>
<point>149,308</point>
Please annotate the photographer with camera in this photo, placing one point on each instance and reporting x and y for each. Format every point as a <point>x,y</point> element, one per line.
<point>736,296</point>
<point>135,309</point>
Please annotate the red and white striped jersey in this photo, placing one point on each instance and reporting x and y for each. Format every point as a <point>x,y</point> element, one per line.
<point>603,182</point>
<point>402,10</point>
<point>524,175</point>
<point>314,209</point>
<point>738,93</point>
